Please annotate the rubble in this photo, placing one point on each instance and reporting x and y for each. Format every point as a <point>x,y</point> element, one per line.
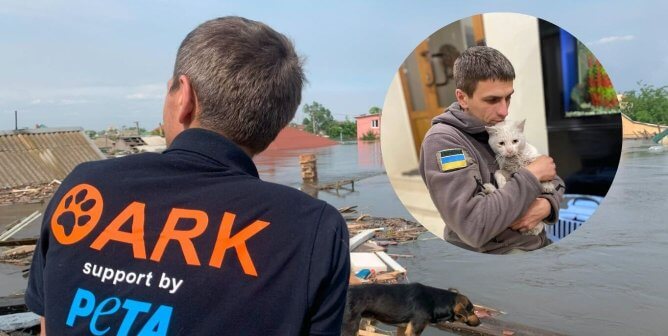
<point>20,256</point>
<point>391,231</point>
<point>28,194</point>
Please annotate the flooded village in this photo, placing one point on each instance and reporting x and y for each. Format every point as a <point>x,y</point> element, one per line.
<point>579,286</point>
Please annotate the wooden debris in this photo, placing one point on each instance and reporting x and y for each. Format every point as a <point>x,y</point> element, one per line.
<point>18,226</point>
<point>19,321</point>
<point>361,237</point>
<point>20,256</point>
<point>388,277</point>
<point>397,230</point>
<point>492,325</point>
<point>308,167</point>
<point>401,255</point>
<point>337,185</point>
<point>348,209</point>
<point>28,194</point>
<point>19,242</point>
<point>370,246</point>
<point>390,262</point>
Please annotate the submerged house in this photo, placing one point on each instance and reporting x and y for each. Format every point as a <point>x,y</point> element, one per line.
<point>368,124</point>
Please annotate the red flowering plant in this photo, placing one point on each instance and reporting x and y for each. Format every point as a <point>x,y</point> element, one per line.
<point>601,92</point>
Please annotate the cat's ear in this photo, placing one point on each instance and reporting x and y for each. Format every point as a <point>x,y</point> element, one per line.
<point>520,125</point>
<point>490,129</point>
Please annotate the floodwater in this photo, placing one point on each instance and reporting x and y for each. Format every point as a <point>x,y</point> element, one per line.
<point>610,277</point>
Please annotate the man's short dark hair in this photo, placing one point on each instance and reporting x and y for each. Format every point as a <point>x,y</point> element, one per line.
<point>478,64</point>
<point>247,77</point>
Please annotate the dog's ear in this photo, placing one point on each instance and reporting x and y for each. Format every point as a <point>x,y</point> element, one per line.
<point>460,313</point>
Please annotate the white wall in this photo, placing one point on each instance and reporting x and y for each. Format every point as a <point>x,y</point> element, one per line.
<point>517,37</point>
<point>399,157</point>
<point>396,140</point>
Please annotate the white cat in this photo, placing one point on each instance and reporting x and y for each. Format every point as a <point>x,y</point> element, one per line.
<point>513,153</point>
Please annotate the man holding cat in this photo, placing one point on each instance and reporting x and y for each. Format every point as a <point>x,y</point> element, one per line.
<point>456,162</point>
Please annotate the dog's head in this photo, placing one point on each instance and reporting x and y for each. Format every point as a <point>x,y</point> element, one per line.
<point>461,310</point>
<point>464,311</point>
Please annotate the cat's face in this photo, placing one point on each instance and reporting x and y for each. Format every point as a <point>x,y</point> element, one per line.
<point>507,137</point>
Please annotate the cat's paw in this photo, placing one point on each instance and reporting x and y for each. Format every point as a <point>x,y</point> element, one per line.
<point>488,188</point>
<point>500,178</point>
<point>536,230</point>
<point>548,187</point>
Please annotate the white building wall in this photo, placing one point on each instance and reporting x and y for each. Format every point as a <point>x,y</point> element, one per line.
<point>517,37</point>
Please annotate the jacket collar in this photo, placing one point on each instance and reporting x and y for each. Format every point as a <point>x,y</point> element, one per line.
<point>215,147</point>
<point>454,115</point>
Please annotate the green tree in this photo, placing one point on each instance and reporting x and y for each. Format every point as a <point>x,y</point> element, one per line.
<point>649,105</point>
<point>342,129</point>
<point>370,135</point>
<point>375,110</point>
<point>318,118</point>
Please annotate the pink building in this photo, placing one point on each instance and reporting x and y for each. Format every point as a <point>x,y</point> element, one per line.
<point>366,123</point>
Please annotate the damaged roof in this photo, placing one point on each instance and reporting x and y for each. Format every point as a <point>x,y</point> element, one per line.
<point>37,156</point>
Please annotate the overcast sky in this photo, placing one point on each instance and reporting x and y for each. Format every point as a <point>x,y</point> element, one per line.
<point>101,63</point>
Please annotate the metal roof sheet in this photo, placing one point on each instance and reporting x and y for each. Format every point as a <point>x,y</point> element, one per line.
<point>29,157</point>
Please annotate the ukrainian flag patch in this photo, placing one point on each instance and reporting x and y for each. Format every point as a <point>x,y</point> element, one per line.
<point>451,159</point>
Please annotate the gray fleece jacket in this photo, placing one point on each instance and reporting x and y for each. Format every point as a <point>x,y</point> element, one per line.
<point>474,220</point>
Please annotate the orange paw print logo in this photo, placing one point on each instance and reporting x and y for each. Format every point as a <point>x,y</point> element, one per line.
<point>77,214</point>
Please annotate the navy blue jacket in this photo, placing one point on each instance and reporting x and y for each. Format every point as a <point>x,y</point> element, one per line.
<point>188,242</point>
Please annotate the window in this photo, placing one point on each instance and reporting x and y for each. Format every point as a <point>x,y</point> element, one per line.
<point>584,86</point>
<point>374,123</point>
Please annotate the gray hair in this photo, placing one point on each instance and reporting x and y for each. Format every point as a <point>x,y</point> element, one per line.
<point>478,64</point>
<point>247,78</point>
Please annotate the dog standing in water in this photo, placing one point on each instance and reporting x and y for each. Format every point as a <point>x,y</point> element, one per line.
<point>415,304</point>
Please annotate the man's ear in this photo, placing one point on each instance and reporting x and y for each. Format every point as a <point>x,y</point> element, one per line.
<point>186,101</point>
<point>462,98</point>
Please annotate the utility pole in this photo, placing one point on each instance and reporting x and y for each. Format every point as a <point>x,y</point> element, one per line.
<point>313,122</point>
<point>16,120</point>
<point>137,123</point>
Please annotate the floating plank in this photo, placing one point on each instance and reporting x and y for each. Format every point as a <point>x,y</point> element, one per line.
<point>492,326</point>
<point>337,185</point>
<point>370,246</point>
<point>17,252</point>
<point>390,262</point>
<point>361,237</point>
<point>18,227</point>
<point>18,321</point>
<point>348,209</point>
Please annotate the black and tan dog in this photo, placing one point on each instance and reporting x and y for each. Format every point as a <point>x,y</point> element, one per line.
<point>415,304</point>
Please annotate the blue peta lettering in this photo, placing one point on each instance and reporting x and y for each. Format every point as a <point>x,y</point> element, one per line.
<point>84,304</point>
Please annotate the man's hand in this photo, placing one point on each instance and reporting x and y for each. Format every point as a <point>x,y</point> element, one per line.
<point>538,210</point>
<point>543,168</point>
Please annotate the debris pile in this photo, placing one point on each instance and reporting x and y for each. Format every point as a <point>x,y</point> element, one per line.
<point>394,230</point>
<point>28,194</point>
<point>20,256</point>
